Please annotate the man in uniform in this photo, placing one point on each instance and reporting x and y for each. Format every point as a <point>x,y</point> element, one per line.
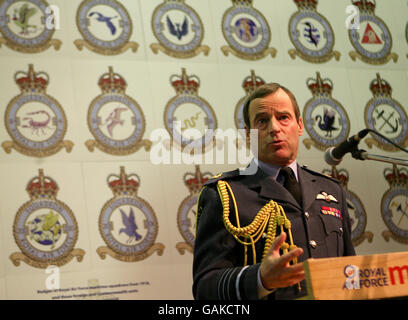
<point>230,261</point>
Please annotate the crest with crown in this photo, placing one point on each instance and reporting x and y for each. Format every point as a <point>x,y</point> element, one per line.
<point>320,87</point>
<point>252,82</point>
<point>380,87</point>
<point>396,177</point>
<point>31,81</point>
<point>184,84</point>
<point>123,184</point>
<point>195,181</point>
<point>306,4</point>
<point>111,82</point>
<point>42,187</point>
<point>365,6</point>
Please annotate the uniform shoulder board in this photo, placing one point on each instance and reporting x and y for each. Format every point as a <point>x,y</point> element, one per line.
<point>320,174</point>
<point>222,176</point>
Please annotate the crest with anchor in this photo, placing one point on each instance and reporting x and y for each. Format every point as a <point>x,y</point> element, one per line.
<point>127,223</point>
<point>23,26</point>
<point>386,116</point>
<point>45,228</point>
<point>311,34</point>
<point>394,205</point>
<point>179,30</point>
<point>357,212</point>
<point>246,31</point>
<point>187,213</point>
<point>115,119</point>
<point>34,120</point>
<point>325,119</point>
<point>105,26</point>
<point>372,39</point>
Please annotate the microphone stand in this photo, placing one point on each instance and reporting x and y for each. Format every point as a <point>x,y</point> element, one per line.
<point>363,155</point>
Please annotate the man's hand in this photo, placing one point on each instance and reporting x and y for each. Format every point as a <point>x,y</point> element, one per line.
<point>275,270</point>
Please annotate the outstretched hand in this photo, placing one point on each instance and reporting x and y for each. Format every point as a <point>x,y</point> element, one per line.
<point>275,270</point>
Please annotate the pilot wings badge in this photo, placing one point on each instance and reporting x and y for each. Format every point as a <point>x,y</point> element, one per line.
<point>127,223</point>
<point>179,30</point>
<point>45,229</point>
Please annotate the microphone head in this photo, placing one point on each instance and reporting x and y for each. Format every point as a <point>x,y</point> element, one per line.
<point>329,158</point>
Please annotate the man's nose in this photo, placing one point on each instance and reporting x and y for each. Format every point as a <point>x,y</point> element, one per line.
<point>274,125</point>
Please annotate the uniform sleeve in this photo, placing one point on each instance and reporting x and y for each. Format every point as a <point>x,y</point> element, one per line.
<point>348,245</point>
<point>218,271</point>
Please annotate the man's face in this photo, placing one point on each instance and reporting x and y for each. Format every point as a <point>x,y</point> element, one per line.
<point>278,128</point>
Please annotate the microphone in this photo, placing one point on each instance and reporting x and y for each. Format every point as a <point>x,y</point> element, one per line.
<point>334,155</point>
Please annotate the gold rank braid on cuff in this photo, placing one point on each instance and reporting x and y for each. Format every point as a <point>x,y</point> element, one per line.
<point>270,216</point>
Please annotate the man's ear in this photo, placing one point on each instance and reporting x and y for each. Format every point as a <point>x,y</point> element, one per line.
<point>300,124</point>
<point>247,136</point>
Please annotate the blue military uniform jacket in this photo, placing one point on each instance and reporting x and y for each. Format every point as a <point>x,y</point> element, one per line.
<point>321,227</point>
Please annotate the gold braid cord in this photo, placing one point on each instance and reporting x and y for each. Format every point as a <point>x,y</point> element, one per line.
<point>269,217</point>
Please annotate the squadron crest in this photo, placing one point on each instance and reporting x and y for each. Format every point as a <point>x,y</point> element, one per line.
<point>105,26</point>
<point>394,205</point>
<point>45,229</point>
<point>372,39</point>
<point>386,116</point>
<point>357,213</point>
<point>127,223</point>
<point>23,25</point>
<point>179,30</point>
<point>187,209</point>
<point>188,111</point>
<point>246,31</point>
<point>34,120</point>
<point>115,119</point>
<point>311,34</point>
<point>325,119</point>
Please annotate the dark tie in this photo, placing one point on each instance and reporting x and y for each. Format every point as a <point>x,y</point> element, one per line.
<point>291,184</point>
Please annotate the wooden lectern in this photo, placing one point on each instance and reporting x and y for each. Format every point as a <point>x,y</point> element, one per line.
<point>374,276</point>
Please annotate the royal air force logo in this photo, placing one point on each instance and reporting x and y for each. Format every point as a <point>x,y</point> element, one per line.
<point>311,34</point>
<point>34,120</point>
<point>187,111</point>
<point>105,26</point>
<point>116,120</point>
<point>394,205</point>
<point>45,228</point>
<point>186,215</point>
<point>127,223</point>
<point>325,119</point>
<point>179,30</point>
<point>386,116</point>
<point>246,31</point>
<point>23,25</point>
<point>372,39</point>
<point>357,212</point>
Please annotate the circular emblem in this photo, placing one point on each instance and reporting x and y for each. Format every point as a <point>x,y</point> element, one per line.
<point>202,120</point>
<point>117,123</point>
<point>358,217</point>
<point>394,211</point>
<point>186,217</point>
<point>23,25</point>
<point>387,116</point>
<point>37,124</point>
<point>238,115</point>
<point>247,32</point>
<point>46,231</point>
<point>372,40</point>
<point>179,30</point>
<point>312,36</point>
<point>105,25</point>
<point>128,226</point>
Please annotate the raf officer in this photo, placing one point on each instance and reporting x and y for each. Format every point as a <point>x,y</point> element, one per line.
<point>237,254</point>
